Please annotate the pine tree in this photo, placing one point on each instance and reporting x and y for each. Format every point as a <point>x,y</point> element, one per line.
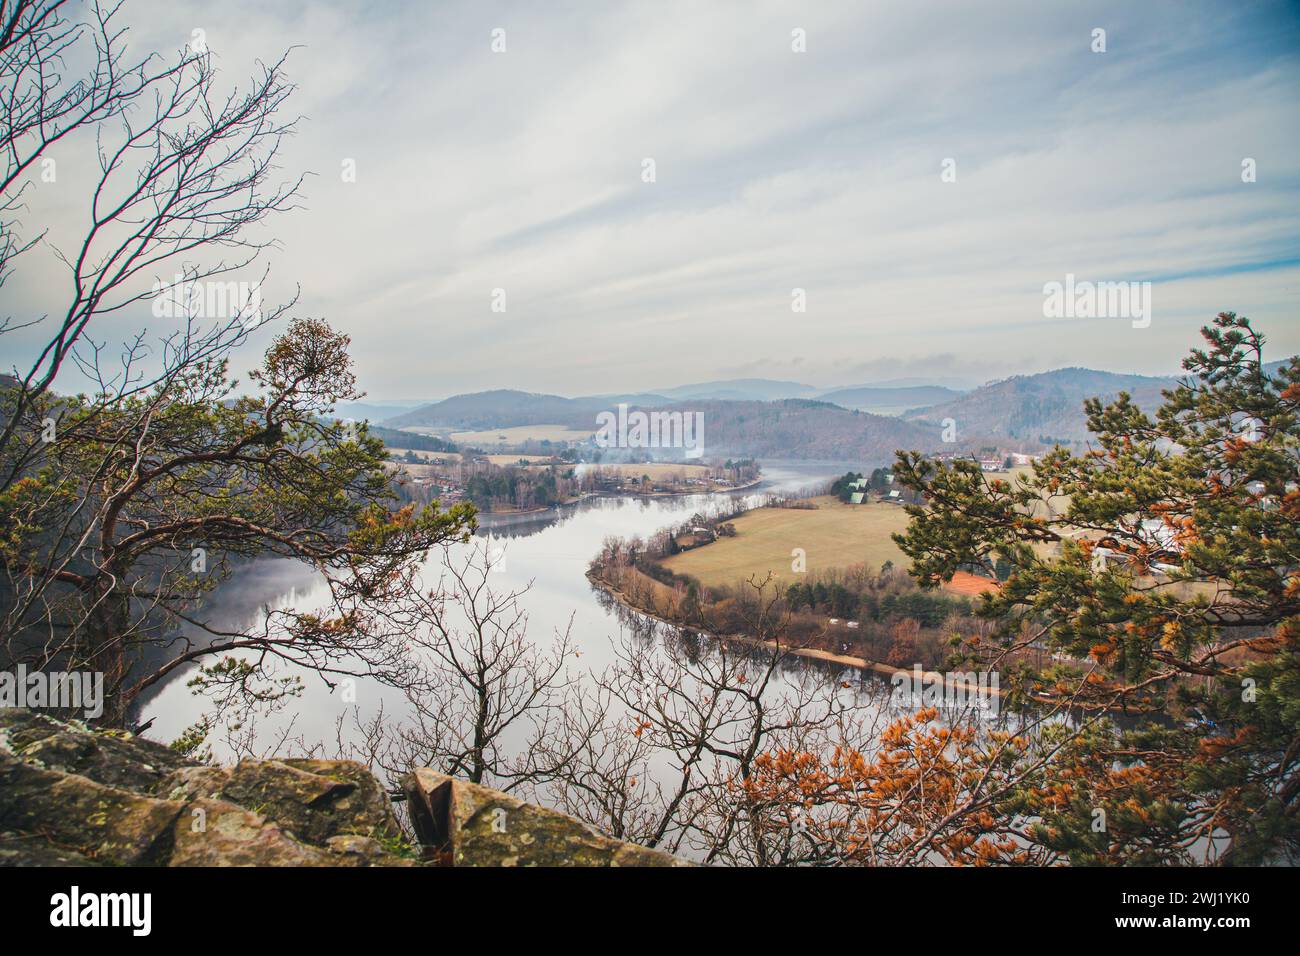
<point>1168,562</point>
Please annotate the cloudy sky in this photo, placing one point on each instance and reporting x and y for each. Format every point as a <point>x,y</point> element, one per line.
<point>774,170</point>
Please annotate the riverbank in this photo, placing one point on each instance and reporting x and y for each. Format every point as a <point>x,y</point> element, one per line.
<point>727,490</point>
<point>547,555</point>
<point>624,495</point>
<point>775,647</point>
<point>823,655</point>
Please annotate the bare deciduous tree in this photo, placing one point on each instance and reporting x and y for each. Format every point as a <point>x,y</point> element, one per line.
<point>183,173</point>
<point>487,695</point>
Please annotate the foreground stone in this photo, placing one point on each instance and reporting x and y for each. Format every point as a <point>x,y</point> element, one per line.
<point>70,795</point>
<point>314,800</point>
<point>75,813</point>
<point>477,826</point>
<point>73,796</point>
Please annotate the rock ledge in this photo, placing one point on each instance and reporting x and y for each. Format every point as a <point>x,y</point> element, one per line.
<point>73,796</point>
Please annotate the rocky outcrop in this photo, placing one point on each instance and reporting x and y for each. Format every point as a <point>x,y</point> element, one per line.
<point>316,800</point>
<point>72,796</point>
<point>473,825</point>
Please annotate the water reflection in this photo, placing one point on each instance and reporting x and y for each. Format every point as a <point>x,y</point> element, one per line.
<point>547,552</point>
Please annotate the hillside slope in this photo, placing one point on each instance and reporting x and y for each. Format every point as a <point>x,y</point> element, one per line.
<point>507,408</point>
<point>739,390</point>
<point>1047,407</point>
<point>1039,409</point>
<point>870,397</point>
<point>802,429</point>
<point>792,428</point>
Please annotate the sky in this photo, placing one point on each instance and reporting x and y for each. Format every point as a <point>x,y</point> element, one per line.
<point>920,171</point>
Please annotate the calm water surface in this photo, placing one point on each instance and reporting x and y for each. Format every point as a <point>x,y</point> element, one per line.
<point>547,552</point>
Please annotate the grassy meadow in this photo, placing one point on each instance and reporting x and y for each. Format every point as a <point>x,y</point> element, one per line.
<point>833,535</point>
<point>656,470</point>
<point>519,434</point>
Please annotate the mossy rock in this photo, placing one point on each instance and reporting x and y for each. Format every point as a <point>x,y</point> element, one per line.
<point>314,800</point>
<point>102,823</point>
<point>70,795</point>
<point>478,826</point>
<point>21,849</point>
<point>219,833</point>
<point>114,759</point>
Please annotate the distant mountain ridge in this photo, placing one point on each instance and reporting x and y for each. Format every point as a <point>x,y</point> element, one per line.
<point>789,428</point>
<point>872,396</point>
<point>506,408</point>
<point>809,430</point>
<point>1047,407</point>
<point>1028,411</point>
<point>904,392</point>
<point>373,411</point>
<point>1039,409</point>
<point>740,390</point>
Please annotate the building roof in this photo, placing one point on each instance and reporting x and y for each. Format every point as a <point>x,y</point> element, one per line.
<point>963,582</point>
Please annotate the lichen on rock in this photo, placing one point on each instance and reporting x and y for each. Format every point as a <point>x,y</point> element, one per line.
<point>479,826</point>
<point>70,795</point>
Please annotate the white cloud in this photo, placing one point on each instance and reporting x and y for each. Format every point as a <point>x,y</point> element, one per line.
<point>818,170</point>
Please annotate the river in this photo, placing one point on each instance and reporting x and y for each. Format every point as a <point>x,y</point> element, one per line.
<point>547,552</point>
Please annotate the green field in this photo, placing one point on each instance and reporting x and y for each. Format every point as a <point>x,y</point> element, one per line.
<point>515,459</point>
<point>835,535</point>
<point>656,470</point>
<point>425,455</point>
<point>520,434</point>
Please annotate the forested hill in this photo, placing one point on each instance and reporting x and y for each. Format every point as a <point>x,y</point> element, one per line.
<point>506,408</point>
<point>1029,411</point>
<point>871,397</point>
<point>1047,407</point>
<point>792,428</point>
<point>809,430</point>
<point>1042,408</point>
